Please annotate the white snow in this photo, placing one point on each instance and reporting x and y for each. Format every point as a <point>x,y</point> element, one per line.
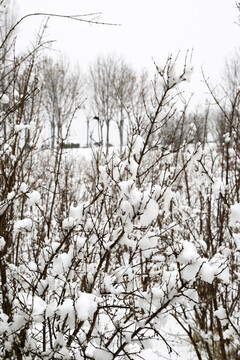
<point>20,127</point>
<point>138,143</point>
<point>80,242</point>
<point>157,293</point>
<point>33,198</point>
<point>67,309</point>
<point>218,187</point>
<point>4,99</point>
<point>133,166</point>
<point>224,274</point>
<point>34,304</point>
<point>11,195</point>
<point>62,263</point>
<point>208,271</point>
<point>100,354</point>
<point>76,213</point>
<point>189,272</point>
<point>126,187</point>
<point>168,196</point>
<point>222,315</point>
<point>18,321</point>
<point>234,214</point>
<point>135,197</point>
<point>156,192</point>
<point>128,227</point>
<point>64,353</point>
<point>126,209</point>
<point>148,244</point>
<point>86,306</point>
<point>188,73</point>
<point>23,188</point>
<point>24,225</point>
<point>188,254</point>
<point>51,308</point>
<point>68,223</point>
<point>236,238</point>
<point>2,243</point>
<point>150,213</point>
<point>191,294</point>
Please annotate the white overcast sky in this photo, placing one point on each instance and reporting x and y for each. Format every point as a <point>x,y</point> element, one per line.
<point>149,29</point>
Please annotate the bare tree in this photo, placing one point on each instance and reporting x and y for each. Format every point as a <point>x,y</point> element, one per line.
<point>226,102</point>
<point>114,85</point>
<point>125,86</point>
<point>63,93</point>
<point>231,73</point>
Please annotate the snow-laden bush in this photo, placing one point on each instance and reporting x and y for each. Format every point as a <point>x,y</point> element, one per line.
<point>96,257</point>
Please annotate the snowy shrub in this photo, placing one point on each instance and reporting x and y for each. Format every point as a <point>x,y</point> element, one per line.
<point>97,257</point>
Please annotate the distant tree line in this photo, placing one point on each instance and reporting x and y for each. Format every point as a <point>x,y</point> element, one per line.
<point>113,92</point>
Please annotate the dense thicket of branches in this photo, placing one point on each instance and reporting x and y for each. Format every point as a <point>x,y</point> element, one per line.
<point>96,256</point>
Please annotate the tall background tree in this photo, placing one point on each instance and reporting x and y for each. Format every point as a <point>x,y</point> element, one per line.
<point>63,88</point>
<point>114,87</point>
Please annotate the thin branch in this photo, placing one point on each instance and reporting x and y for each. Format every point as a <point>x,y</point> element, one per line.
<point>76,18</point>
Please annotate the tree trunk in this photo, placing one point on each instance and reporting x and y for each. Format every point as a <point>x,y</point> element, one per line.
<point>52,134</point>
<point>107,136</point>
<point>121,134</point>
